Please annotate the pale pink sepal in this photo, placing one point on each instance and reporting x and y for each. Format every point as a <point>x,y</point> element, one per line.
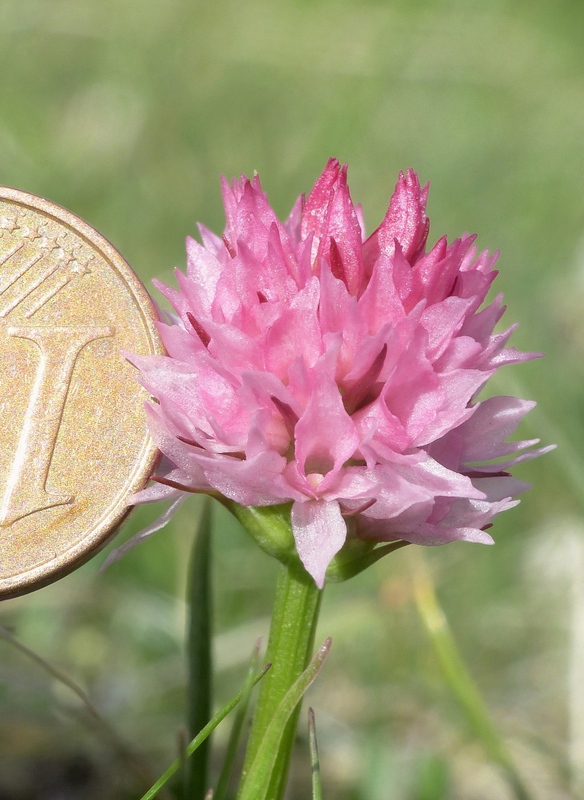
<point>319,532</point>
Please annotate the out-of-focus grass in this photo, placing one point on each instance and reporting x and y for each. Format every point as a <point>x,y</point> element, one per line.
<point>127,113</point>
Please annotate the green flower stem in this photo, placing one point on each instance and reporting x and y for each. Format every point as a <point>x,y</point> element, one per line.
<point>290,647</point>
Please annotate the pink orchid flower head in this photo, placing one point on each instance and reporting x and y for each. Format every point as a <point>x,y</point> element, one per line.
<point>312,365</point>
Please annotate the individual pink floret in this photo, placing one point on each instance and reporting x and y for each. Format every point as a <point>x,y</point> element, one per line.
<point>311,365</point>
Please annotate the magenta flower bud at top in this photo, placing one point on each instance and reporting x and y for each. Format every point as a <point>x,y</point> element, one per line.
<point>313,365</point>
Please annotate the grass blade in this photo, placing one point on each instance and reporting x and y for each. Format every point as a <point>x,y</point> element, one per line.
<point>183,774</point>
<point>459,679</point>
<point>314,759</point>
<point>201,737</point>
<point>54,672</point>
<point>231,752</point>
<point>199,652</point>
<point>259,776</point>
<point>120,748</point>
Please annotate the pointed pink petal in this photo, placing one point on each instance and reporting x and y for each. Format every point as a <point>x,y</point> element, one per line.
<point>235,348</point>
<point>442,322</point>
<point>179,343</point>
<point>296,332</point>
<point>204,270</point>
<point>341,237</point>
<point>381,302</point>
<point>493,421</point>
<point>316,205</point>
<point>405,221</point>
<point>250,482</point>
<point>457,390</point>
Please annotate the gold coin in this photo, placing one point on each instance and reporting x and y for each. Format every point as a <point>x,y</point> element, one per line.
<point>73,434</point>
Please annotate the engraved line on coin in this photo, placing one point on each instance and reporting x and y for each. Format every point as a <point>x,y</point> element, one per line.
<point>62,281</point>
<point>59,348</point>
<point>11,253</point>
<point>24,293</point>
<point>25,284</point>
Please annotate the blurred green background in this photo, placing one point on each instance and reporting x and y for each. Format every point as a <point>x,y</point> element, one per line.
<point>127,113</point>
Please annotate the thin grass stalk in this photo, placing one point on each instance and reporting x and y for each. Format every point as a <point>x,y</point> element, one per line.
<point>459,679</point>
<point>200,738</point>
<point>268,760</point>
<point>314,757</point>
<point>199,652</point>
<point>237,727</point>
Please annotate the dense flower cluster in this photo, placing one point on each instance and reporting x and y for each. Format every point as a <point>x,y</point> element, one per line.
<point>311,364</point>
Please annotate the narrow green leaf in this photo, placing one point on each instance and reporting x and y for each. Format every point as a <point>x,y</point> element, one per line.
<point>314,759</point>
<point>258,778</point>
<point>199,651</point>
<point>200,738</point>
<point>235,735</point>
<point>459,679</point>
